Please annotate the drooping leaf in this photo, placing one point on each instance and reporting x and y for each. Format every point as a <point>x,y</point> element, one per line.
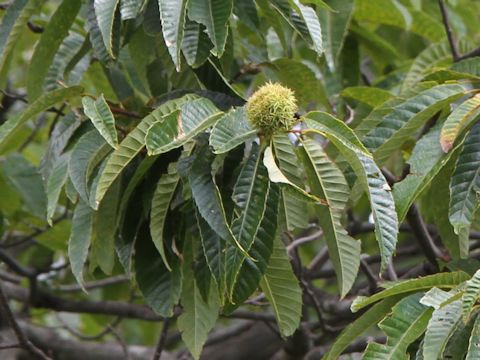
<point>105,13</point>
<point>199,316</point>
<point>55,182</point>
<point>371,96</point>
<point>80,239</point>
<point>440,329</point>
<point>250,195</point>
<point>464,115</point>
<point>12,24</point>
<point>172,15</point>
<point>132,144</point>
<point>310,18</point>
<point>87,154</point>
<point>214,14</point>
<point>102,118</point>
<point>471,295</point>
<point>179,127</point>
<point>196,45</point>
<point>46,48</point>
<point>440,280</point>
<point>474,343</point>
<point>426,161</point>
<point>231,130</point>
<point>327,181</point>
<point>369,175</point>
<point>130,8</point>
<point>464,186</point>
<point>407,117</point>
<point>407,322</point>
<point>282,290</point>
<point>293,206</point>
<point>9,128</point>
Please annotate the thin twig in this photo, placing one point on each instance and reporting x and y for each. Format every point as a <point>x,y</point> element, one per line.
<point>304,239</point>
<point>448,30</point>
<point>372,280</point>
<point>21,337</point>
<point>161,340</point>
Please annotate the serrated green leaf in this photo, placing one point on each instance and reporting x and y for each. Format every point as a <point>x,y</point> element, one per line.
<point>9,127</point>
<point>327,181</point>
<point>199,316</point>
<point>179,127</point>
<point>440,280</point>
<point>250,195</point>
<point>12,25</point>
<point>55,182</point>
<point>105,14</point>
<point>471,294</point>
<point>406,118</point>
<point>87,154</point>
<point>132,144</point>
<point>310,18</point>
<point>46,48</point>
<point>102,118</point>
<point>369,175</point>
<point>160,287</point>
<point>130,8</point>
<point>464,186</point>
<point>463,116</point>
<point>371,96</point>
<point>172,15</point>
<point>196,45</point>
<point>434,56</point>
<point>80,239</point>
<point>408,321</point>
<point>282,290</point>
<point>214,14</point>
<point>371,317</point>
<point>440,329</point>
<point>473,352</point>
<point>426,161</point>
<point>231,130</point>
<point>95,36</point>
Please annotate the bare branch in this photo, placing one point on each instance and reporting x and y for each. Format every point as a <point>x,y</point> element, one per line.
<point>448,30</point>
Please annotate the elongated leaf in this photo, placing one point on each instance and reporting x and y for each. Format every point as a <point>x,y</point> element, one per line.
<point>179,127</point>
<point>464,185</point>
<point>426,161</point>
<point>198,316</point>
<point>434,56</point>
<point>370,177</point>
<point>407,118</point>
<point>464,115</point>
<point>80,239</point>
<point>368,95</point>
<point>172,14</point>
<point>327,181</point>
<point>55,182</point>
<point>250,194</point>
<point>440,329</point>
<point>133,144</point>
<point>440,280</point>
<point>12,25</point>
<point>472,292</point>
<point>293,207</point>
<point>87,154</point>
<point>214,14</point>
<point>251,271</point>
<point>160,287</point>
<point>9,128</point>
<point>277,176</point>
<point>408,321</point>
<point>334,28</point>
<point>130,8</point>
<point>310,18</point>
<point>95,36</point>
<point>102,118</point>
<point>474,343</point>
<point>371,317</point>
<point>196,45</point>
<point>231,130</point>
<point>282,290</point>
<point>51,39</point>
<point>105,13</point>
